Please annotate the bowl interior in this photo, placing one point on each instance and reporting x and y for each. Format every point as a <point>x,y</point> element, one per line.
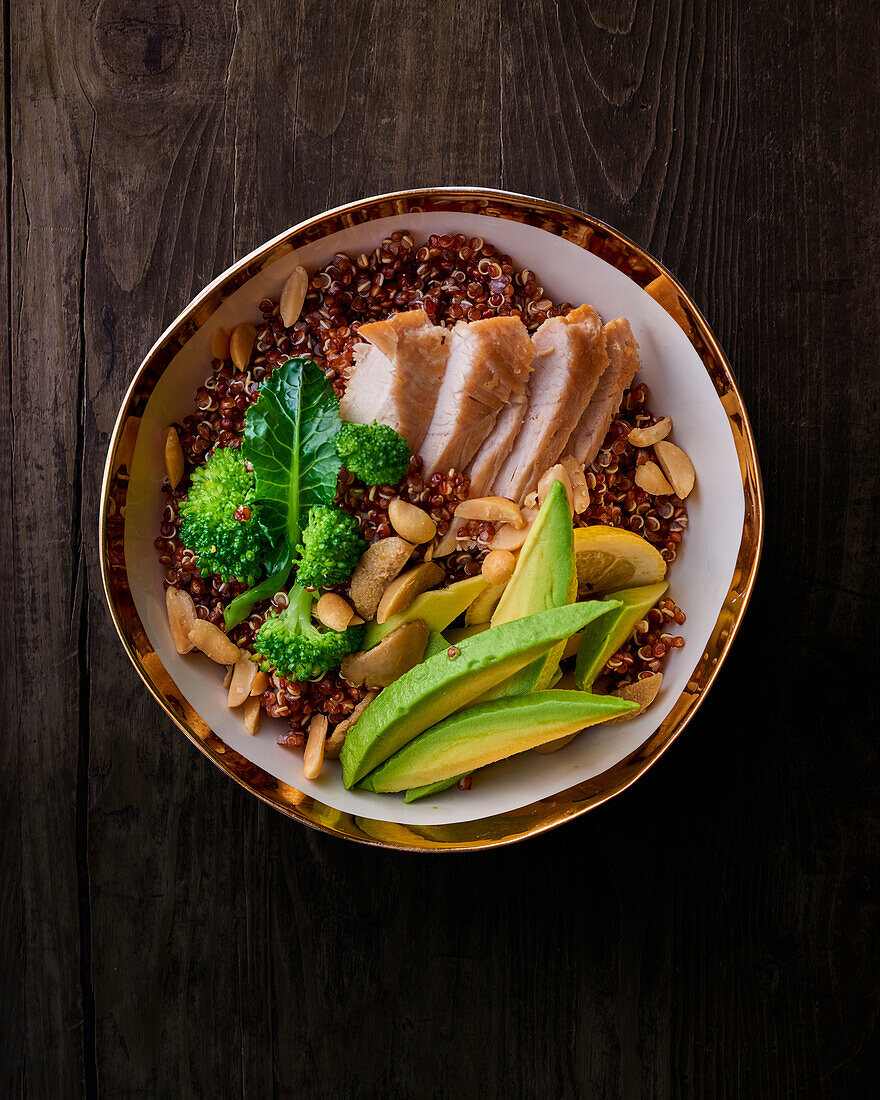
<point>699,579</point>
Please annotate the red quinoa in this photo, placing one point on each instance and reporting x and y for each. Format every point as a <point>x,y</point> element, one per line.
<point>452,278</point>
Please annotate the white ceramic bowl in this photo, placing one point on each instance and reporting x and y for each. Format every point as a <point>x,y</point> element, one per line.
<point>680,386</point>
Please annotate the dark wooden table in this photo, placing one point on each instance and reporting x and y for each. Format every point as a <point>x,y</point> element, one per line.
<point>712,932</point>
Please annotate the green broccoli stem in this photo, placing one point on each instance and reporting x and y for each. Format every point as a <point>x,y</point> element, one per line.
<point>299,602</point>
<point>239,609</point>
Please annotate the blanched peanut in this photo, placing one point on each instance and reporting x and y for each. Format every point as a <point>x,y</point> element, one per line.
<point>677,466</point>
<point>220,344</point>
<point>334,612</point>
<point>241,344</point>
<point>174,460</point>
<point>498,566</point>
<point>181,618</point>
<point>396,654</point>
<point>404,589</point>
<point>508,537</point>
<point>647,437</point>
<point>333,744</point>
<point>214,643</point>
<point>252,712</point>
<point>313,757</point>
<point>379,565</point>
<point>580,491</point>
<point>643,692</point>
<point>410,522</point>
<point>556,473</point>
<point>650,477</point>
<point>243,672</point>
<point>491,510</point>
<point>260,682</point>
<point>293,295</point>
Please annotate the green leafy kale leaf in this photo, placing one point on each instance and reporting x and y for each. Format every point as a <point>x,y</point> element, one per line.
<point>289,439</point>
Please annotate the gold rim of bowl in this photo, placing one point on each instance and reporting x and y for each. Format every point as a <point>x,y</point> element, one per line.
<point>588,233</point>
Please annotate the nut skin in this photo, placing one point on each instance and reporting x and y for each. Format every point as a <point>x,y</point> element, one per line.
<point>241,344</point>
<point>334,612</point>
<point>411,523</point>
<point>643,692</point>
<point>498,566</point>
<point>396,654</point>
<point>378,566</point>
<point>333,744</point>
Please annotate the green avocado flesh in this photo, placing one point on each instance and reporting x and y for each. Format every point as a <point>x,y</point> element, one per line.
<point>490,732</point>
<point>437,609</point>
<point>441,685</point>
<point>544,577</point>
<point>429,789</point>
<point>603,637</point>
<point>436,644</point>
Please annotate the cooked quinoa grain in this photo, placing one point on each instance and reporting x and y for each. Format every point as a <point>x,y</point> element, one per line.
<point>452,278</point>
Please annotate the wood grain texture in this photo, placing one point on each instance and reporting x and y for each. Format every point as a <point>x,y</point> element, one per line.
<point>713,931</point>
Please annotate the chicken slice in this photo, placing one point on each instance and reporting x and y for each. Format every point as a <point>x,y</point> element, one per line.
<point>498,444</point>
<point>489,362</point>
<point>623,357</point>
<point>397,375</point>
<point>569,360</point>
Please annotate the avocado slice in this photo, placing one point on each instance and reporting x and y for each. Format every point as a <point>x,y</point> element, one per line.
<point>457,634</point>
<point>544,577</point>
<point>492,731</point>
<point>429,789</point>
<point>436,644</point>
<point>437,609</point>
<point>483,607</point>
<point>603,637</point>
<point>435,688</point>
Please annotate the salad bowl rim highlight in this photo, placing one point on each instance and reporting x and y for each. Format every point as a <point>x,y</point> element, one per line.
<point>586,232</point>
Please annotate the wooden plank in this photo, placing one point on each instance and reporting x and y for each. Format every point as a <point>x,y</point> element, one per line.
<point>711,932</point>
<point>50,126</point>
<point>12,1054</point>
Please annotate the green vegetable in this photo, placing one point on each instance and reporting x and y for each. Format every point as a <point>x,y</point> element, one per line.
<point>489,732</point>
<point>288,439</point>
<point>373,452</point>
<point>430,789</point>
<point>331,547</point>
<point>296,647</point>
<point>443,684</point>
<point>231,547</point>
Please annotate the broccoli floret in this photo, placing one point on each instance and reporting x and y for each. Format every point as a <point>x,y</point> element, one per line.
<point>331,547</point>
<point>373,452</point>
<point>294,645</point>
<point>220,521</point>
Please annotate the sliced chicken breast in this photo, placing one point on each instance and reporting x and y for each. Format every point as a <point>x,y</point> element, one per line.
<point>498,444</point>
<point>489,362</point>
<point>623,363</point>
<point>570,358</point>
<point>397,375</point>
